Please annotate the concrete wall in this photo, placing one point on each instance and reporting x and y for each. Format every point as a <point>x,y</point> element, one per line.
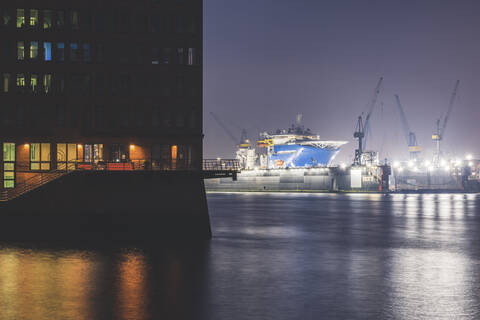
<point>111,206</point>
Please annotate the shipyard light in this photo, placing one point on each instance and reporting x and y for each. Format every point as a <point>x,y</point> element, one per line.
<point>396,164</point>
<point>470,164</point>
<point>343,166</point>
<point>458,162</point>
<point>469,157</point>
<point>443,163</point>
<point>426,163</point>
<point>446,168</point>
<point>410,163</point>
<point>400,169</point>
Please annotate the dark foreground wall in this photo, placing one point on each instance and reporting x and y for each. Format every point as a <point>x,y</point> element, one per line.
<point>111,206</point>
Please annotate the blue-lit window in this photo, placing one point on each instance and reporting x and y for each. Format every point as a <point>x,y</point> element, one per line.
<point>47,50</point>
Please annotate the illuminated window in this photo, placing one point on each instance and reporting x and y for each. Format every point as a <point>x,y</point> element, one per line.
<point>47,51</point>
<point>60,21</point>
<point>174,152</point>
<point>33,50</point>
<point>9,165</point>
<point>20,82</point>
<point>191,56</point>
<point>34,81</point>
<point>6,82</point>
<point>74,54</point>
<point>93,153</point>
<point>20,18</point>
<point>87,52</point>
<point>20,50</point>
<point>60,52</point>
<point>33,18</point>
<point>47,83</point>
<point>66,156</point>
<point>47,20</point>
<point>75,20</point>
<point>40,156</point>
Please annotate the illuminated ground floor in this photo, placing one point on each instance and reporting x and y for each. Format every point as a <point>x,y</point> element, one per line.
<point>23,160</point>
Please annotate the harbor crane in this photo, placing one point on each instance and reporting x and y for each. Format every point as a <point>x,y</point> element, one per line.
<point>243,137</point>
<point>413,148</point>
<point>438,136</point>
<point>362,128</point>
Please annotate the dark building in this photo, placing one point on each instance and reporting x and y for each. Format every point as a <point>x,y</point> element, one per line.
<point>101,109</point>
<point>100,82</point>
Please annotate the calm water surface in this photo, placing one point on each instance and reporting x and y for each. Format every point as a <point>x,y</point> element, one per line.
<point>273,256</point>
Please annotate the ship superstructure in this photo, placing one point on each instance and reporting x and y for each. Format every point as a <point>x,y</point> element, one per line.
<point>296,148</point>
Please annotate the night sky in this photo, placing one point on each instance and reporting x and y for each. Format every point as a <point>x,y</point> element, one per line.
<point>267,60</point>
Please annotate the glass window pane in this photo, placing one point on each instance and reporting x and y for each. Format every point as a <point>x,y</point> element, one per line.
<point>47,19</point>
<point>9,151</point>
<point>61,152</point>
<point>34,152</point>
<point>6,82</point>
<point>75,19</point>
<point>72,152</point>
<point>20,50</point>
<point>9,166</point>
<point>33,17</point>
<point>35,166</point>
<point>34,82</point>
<point>20,18</point>
<point>47,51</point>
<point>87,52</point>
<point>9,175</point>
<point>60,21</point>
<point>60,54</point>
<point>8,184</point>
<point>73,51</point>
<point>45,152</point>
<point>47,83</point>
<point>33,50</point>
<point>6,18</point>
<point>45,166</point>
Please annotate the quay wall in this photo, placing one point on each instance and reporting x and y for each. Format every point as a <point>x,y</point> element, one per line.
<point>111,206</point>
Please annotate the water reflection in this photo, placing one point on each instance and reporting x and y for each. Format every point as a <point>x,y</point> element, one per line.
<point>273,256</point>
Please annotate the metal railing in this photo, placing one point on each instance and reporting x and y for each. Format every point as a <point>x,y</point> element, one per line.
<point>221,165</point>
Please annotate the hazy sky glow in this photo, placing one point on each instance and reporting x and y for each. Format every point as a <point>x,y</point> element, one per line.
<point>267,60</point>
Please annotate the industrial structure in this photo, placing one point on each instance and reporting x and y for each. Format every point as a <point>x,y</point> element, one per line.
<point>413,148</point>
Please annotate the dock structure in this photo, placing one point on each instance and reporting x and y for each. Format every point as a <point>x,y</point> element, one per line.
<point>102,93</point>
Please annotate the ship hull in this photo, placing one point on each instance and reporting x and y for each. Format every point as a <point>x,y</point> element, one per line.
<point>300,156</point>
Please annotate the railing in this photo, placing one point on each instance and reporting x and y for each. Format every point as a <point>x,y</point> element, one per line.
<point>221,165</point>
<point>38,179</point>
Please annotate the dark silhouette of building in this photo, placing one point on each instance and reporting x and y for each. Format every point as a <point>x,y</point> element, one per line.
<point>99,85</point>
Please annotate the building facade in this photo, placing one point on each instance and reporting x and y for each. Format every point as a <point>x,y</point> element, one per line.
<point>101,84</point>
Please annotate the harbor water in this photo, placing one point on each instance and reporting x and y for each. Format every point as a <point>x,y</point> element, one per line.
<point>272,256</point>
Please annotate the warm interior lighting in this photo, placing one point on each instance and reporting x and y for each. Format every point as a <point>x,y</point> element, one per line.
<point>132,147</point>
<point>26,145</point>
<point>79,146</point>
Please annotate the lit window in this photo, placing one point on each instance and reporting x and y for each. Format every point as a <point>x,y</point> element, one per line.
<point>34,82</point>
<point>9,165</point>
<point>47,19</point>
<point>40,156</point>
<point>47,83</point>
<point>87,52</point>
<point>33,50</point>
<point>33,17</point>
<point>20,50</point>
<point>191,56</point>
<point>47,50</point>
<point>20,80</point>
<point>6,82</point>
<point>60,52</point>
<point>74,52</point>
<point>75,20</point>
<point>20,18</point>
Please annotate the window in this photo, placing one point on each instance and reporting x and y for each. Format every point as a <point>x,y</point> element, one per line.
<point>59,83</point>
<point>47,51</point>
<point>20,50</point>
<point>93,153</point>
<point>20,18</point>
<point>74,52</point>
<point>9,165</point>
<point>86,20</point>
<point>34,50</point>
<point>47,83</point>
<point>6,18</point>
<point>60,21</point>
<point>6,82</point>
<point>60,52</point>
<point>191,57</point>
<point>20,82</point>
<point>100,21</point>
<point>47,20</point>
<point>87,52</point>
<point>40,156</point>
<point>167,55</point>
<point>66,156</point>
<point>34,82</point>
<point>180,56</point>
<point>75,20</point>
<point>100,49</point>
<point>155,55</point>
<point>33,18</point>
<point>156,22</point>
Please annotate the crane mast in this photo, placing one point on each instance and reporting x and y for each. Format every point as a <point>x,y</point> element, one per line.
<point>410,137</point>
<point>438,136</point>
<point>362,128</point>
